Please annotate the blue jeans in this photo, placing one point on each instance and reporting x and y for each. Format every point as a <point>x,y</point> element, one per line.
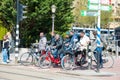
<point>55,53</point>
<point>98,52</point>
<point>4,55</point>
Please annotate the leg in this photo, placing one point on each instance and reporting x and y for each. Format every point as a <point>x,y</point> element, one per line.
<point>55,53</point>
<point>8,54</point>
<point>101,61</point>
<point>4,55</point>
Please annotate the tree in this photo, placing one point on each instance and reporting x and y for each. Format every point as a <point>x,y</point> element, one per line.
<point>7,13</point>
<point>39,18</point>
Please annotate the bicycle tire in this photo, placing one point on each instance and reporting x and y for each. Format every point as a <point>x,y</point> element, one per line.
<point>67,62</point>
<point>26,59</point>
<point>108,60</point>
<point>44,62</point>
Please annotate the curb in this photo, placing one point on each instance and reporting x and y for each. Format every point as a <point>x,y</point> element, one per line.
<point>10,64</point>
<point>87,73</point>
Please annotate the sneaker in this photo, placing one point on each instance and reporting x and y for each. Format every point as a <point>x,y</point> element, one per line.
<point>4,62</point>
<point>8,61</point>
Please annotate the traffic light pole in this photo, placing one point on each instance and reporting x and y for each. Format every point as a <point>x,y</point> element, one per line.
<point>17,34</point>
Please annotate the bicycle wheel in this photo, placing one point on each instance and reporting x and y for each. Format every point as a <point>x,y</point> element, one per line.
<point>108,60</point>
<point>44,62</point>
<point>67,62</point>
<point>26,59</point>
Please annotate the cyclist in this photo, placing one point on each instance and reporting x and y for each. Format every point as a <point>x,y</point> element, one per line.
<point>83,44</point>
<point>52,39</point>
<point>73,37</point>
<point>57,46</point>
<point>67,41</point>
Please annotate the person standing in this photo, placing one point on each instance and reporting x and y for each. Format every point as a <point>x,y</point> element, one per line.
<point>5,49</point>
<point>9,38</point>
<point>42,42</point>
<point>98,49</point>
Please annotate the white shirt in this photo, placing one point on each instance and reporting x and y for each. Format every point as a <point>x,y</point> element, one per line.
<point>84,41</point>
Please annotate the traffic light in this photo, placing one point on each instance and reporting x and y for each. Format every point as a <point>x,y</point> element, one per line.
<point>22,11</point>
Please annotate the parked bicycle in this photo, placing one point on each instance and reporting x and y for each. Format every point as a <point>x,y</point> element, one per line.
<point>31,57</point>
<point>107,58</point>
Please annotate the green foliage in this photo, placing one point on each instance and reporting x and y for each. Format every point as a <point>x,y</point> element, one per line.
<point>38,17</point>
<point>7,13</point>
<point>3,30</point>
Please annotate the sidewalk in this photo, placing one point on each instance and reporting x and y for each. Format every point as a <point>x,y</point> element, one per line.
<point>12,57</point>
<point>104,74</point>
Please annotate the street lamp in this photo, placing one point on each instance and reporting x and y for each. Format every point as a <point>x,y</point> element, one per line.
<point>53,8</point>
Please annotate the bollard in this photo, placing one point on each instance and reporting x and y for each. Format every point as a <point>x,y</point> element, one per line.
<point>89,60</point>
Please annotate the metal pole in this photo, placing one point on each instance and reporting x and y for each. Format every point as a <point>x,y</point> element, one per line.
<point>89,60</point>
<point>53,20</point>
<point>98,34</point>
<point>17,34</point>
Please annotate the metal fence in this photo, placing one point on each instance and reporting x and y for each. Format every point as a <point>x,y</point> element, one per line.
<point>117,47</point>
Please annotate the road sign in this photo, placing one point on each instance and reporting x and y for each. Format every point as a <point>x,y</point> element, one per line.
<point>92,2</point>
<point>95,7</point>
<point>101,1</point>
<point>108,2</point>
<point>88,13</point>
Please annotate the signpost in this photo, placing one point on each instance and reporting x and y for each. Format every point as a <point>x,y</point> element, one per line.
<point>106,2</point>
<point>94,9</point>
<point>89,13</point>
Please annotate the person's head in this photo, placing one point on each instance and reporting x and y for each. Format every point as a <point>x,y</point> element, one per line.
<point>66,36</point>
<point>94,33</point>
<point>71,33</point>
<point>8,34</point>
<point>82,34</point>
<point>5,37</point>
<point>57,36</point>
<point>41,34</point>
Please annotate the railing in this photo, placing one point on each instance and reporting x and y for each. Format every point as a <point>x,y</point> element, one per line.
<point>117,47</point>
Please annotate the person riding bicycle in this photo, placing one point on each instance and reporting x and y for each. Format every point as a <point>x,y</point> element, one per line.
<point>83,44</point>
<point>66,41</point>
<point>52,39</point>
<point>73,37</point>
<point>57,46</point>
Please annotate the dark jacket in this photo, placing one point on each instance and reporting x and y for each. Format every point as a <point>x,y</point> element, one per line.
<point>75,36</point>
<point>5,44</point>
<point>51,41</point>
<point>58,43</point>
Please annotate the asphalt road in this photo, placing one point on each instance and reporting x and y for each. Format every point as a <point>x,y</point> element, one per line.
<point>21,73</point>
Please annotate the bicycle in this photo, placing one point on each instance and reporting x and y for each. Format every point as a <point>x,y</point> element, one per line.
<point>107,58</point>
<point>69,61</point>
<point>46,60</point>
<point>31,57</point>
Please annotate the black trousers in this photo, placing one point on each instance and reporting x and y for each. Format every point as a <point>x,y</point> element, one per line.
<point>8,54</point>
